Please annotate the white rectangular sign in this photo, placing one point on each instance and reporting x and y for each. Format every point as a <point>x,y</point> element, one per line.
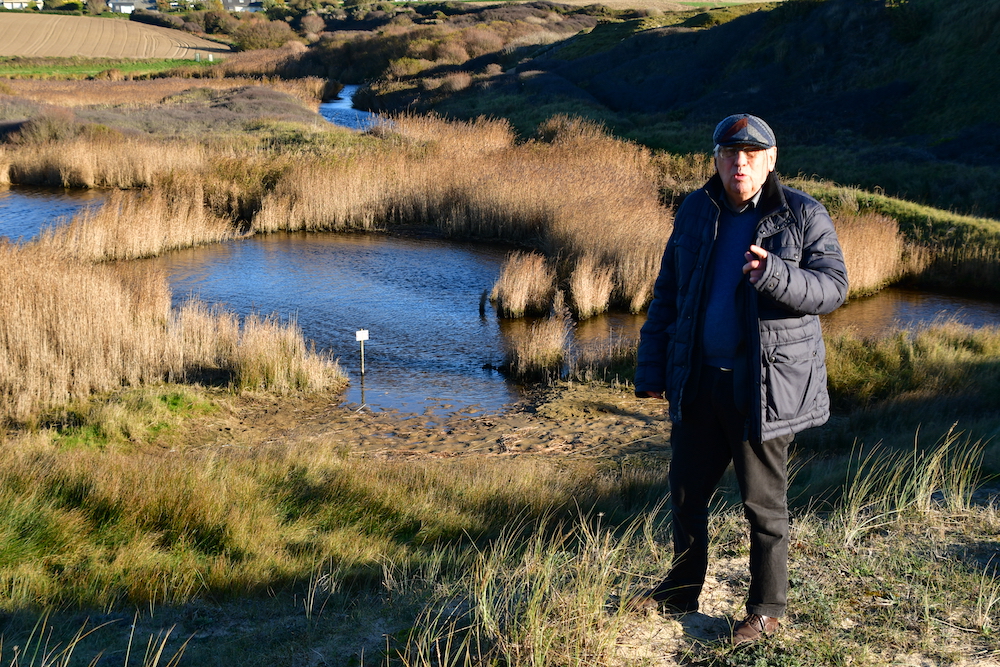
<point>362,334</point>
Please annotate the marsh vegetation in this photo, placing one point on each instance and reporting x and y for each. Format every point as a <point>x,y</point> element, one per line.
<point>188,464</point>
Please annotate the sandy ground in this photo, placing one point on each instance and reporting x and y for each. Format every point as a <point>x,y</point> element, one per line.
<point>571,420</point>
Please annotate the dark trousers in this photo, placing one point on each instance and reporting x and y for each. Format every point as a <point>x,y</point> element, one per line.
<point>709,436</point>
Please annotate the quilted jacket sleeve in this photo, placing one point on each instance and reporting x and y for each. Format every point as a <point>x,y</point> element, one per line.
<point>650,372</point>
<point>816,282</point>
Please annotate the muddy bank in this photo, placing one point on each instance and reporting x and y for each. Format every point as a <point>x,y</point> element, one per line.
<point>570,419</point>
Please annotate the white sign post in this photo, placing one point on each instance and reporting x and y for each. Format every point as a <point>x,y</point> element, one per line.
<point>362,335</point>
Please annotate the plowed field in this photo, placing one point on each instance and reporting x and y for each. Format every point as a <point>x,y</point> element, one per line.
<point>47,35</point>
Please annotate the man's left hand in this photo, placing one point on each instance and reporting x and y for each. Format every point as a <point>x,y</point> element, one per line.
<point>756,263</point>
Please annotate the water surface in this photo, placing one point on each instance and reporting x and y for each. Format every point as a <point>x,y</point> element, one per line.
<point>419,300</point>
<point>25,209</point>
<point>341,111</point>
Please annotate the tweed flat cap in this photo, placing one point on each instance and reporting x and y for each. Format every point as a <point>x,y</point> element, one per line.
<point>742,128</point>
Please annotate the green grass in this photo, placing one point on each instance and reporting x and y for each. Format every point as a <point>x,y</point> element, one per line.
<point>17,67</point>
<point>146,415</point>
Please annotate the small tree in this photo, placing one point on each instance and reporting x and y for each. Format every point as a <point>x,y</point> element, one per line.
<point>96,7</point>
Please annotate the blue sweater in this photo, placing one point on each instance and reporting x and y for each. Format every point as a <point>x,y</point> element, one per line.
<point>722,327</point>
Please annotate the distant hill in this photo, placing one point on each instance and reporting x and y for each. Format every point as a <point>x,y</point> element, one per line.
<point>50,35</point>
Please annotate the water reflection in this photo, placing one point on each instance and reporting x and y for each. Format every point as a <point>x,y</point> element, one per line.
<point>25,210</point>
<point>894,308</point>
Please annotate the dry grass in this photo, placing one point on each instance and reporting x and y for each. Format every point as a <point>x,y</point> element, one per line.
<point>525,287</point>
<point>591,285</point>
<point>873,250</point>
<point>579,194</point>
<point>539,350</point>
<point>69,330</point>
<point>145,92</point>
<point>131,225</point>
<point>111,161</point>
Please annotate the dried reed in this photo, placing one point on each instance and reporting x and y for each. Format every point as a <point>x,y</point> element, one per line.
<point>144,224</point>
<point>68,330</point>
<point>873,250</point>
<point>538,350</point>
<point>108,162</point>
<point>525,287</point>
<point>590,284</point>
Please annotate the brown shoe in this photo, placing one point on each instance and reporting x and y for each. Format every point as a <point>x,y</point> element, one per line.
<point>659,600</point>
<point>753,627</point>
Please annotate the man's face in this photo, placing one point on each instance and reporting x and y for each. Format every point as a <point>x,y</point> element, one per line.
<point>743,170</point>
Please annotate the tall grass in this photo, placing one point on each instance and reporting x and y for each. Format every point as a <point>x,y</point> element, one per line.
<point>873,250</point>
<point>582,194</point>
<point>106,161</point>
<point>526,286</point>
<point>538,350</point>
<point>886,487</point>
<point>538,601</point>
<point>68,330</point>
<point>130,225</point>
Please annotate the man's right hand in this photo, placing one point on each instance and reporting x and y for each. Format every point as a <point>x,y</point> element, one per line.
<point>654,394</point>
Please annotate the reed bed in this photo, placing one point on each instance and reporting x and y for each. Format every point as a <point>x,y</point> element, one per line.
<point>591,286</point>
<point>145,92</point>
<point>111,161</point>
<point>131,225</point>
<point>70,330</point>
<point>873,250</point>
<point>581,194</point>
<point>539,350</point>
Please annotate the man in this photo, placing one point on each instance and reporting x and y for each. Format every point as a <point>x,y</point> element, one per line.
<point>732,340</point>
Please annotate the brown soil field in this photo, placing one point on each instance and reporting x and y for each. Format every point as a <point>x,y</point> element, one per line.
<point>47,35</point>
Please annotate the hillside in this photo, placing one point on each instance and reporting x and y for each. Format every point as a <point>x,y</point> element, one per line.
<point>49,35</point>
<point>894,96</point>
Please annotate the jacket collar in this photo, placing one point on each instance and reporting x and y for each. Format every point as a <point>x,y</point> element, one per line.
<point>772,202</point>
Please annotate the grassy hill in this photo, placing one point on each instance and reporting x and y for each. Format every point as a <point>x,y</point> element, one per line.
<point>884,95</point>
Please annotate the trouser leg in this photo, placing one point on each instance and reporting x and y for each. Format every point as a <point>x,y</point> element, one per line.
<point>763,478</point>
<point>700,454</point>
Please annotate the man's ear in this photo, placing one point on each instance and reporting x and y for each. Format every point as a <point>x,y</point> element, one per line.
<point>772,157</point>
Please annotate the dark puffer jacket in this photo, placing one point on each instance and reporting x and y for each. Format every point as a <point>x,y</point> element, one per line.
<point>783,368</point>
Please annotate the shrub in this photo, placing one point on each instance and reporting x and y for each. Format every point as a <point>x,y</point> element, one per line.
<point>51,125</point>
<point>156,18</point>
<point>217,23</point>
<point>456,82</point>
<point>312,23</point>
<point>257,34</point>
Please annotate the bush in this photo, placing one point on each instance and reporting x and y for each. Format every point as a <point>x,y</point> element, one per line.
<point>262,35</point>
<point>156,18</point>
<point>220,23</point>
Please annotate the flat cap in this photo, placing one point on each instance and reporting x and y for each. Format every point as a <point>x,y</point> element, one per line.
<point>742,128</point>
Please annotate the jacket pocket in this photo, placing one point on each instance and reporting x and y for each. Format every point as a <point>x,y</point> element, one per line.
<point>790,379</point>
